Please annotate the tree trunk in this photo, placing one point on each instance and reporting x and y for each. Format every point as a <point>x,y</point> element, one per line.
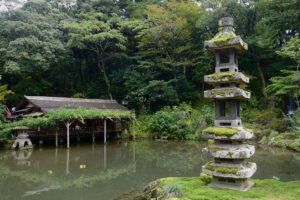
<point>262,78</point>
<point>102,69</point>
<point>174,71</point>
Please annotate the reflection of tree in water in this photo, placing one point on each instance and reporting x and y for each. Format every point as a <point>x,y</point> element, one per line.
<point>172,155</point>
<point>79,182</point>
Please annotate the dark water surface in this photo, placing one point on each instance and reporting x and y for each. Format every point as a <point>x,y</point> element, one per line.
<point>106,172</point>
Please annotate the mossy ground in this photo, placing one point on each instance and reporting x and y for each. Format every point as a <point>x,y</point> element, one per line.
<point>268,189</point>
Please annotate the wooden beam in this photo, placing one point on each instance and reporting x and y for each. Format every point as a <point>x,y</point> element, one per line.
<point>104,130</point>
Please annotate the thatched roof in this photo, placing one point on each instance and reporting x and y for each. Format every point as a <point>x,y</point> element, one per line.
<point>54,103</point>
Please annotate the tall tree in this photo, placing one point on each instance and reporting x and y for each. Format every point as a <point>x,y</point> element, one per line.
<point>97,33</point>
<point>31,42</point>
<point>169,37</point>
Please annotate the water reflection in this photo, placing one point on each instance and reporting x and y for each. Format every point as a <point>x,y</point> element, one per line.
<point>106,171</point>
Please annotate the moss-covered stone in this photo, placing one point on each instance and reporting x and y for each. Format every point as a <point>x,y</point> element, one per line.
<point>219,76</point>
<point>223,38</point>
<point>223,92</point>
<point>216,149</point>
<point>222,170</point>
<point>221,131</point>
<point>249,130</point>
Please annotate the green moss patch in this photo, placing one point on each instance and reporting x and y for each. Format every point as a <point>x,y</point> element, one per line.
<point>195,189</point>
<point>219,76</point>
<point>222,170</point>
<point>223,39</point>
<point>216,149</point>
<point>220,131</point>
<point>222,92</point>
<point>248,130</point>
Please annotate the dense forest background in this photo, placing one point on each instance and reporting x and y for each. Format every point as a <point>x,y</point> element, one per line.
<point>149,52</point>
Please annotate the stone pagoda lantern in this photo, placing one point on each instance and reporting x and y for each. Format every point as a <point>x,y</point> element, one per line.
<point>229,149</point>
<point>22,141</point>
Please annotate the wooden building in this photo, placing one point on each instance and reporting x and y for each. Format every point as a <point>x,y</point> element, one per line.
<point>37,106</point>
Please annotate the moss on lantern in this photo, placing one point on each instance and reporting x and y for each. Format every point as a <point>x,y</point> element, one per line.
<point>219,76</point>
<point>223,39</point>
<point>222,170</point>
<point>221,131</point>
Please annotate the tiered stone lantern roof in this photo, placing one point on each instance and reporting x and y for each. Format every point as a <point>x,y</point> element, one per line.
<point>229,149</point>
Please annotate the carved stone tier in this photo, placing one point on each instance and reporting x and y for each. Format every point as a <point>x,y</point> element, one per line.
<point>227,93</point>
<point>226,40</point>
<point>229,171</point>
<point>230,151</point>
<point>226,77</point>
<point>225,133</point>
<point>228,183</point>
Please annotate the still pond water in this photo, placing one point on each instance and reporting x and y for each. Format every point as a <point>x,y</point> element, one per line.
<point>105,172</point>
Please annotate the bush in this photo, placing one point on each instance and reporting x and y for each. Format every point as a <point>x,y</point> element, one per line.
<point>205,178</point>
<point>179,122</point>
<point>174,189</point>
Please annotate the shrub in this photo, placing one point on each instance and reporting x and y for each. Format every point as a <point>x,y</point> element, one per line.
<point>174,189</point>
<point>205,178</point>
<point>180,122</point>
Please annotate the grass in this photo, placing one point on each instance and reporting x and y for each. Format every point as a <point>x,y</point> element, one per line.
<point>268,189</point>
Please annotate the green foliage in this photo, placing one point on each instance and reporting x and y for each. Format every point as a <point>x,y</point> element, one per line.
<point>53,119</point>
<point>208,115</point>
<point>180,122</point>
<point>99,34</point>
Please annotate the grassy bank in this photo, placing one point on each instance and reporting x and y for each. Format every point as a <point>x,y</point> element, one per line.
<point>194,189</point>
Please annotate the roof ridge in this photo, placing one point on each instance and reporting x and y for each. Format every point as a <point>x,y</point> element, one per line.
<point>70,99</point>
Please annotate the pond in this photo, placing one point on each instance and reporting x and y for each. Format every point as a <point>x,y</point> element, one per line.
<point>105,172</point>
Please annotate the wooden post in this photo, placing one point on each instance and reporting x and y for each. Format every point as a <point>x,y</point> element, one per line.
<point>133,129</point>
<point>68,124</point>
<point>104,130</point>
<point>68,134</point>
<point>67,162</point>
<point>104,157</point>
<point>56,138</point>
<point>93,132</point>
